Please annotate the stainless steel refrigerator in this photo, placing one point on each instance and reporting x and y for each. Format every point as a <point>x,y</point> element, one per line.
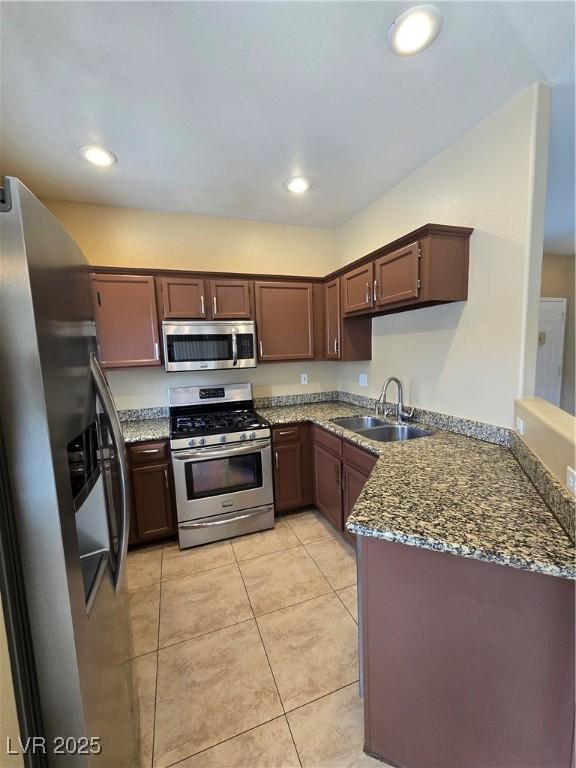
<point>64,501</point>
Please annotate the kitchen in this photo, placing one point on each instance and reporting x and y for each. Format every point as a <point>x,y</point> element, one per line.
<point>244,338</point>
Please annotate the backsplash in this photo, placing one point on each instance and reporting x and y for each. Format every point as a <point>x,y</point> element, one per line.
<point>487,432</point>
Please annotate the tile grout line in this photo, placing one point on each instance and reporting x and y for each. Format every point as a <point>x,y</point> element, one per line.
<point>342,601</point>
<point>323,696</point>
<point>230,738</point>
<point>269,664</point>
<point>157,661</point>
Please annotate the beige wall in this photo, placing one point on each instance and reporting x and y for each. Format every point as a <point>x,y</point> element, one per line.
<point>138,238</point>
<point>558,282</point>
<point>149,387</point>
<point>551,434</point>
<point>8,718</point>
<point>469,358</point>
<point>131,237</point>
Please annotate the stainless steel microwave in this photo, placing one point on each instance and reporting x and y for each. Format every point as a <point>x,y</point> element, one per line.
<point>202,346</point>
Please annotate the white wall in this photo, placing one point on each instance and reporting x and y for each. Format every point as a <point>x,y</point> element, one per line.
<point>470,359</point>
<point>148,388</point>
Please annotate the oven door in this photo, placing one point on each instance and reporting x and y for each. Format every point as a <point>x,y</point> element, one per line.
<point>215,480</point>
<point>202,346</point>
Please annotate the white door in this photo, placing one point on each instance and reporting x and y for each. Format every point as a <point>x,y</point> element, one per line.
<point>550,349</point>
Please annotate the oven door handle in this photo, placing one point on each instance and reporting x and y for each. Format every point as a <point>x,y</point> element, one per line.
<point>214,523</point>
<point>218,453</point>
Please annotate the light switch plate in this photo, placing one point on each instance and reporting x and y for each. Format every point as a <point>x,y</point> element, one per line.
<point>571,479</point>
<point>519,425</point>
<point>303,378</point>
<point>363,380</point>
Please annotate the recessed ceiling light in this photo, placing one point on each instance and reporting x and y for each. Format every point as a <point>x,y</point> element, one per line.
<point>298,185</point>
<point>98,155</point>
<point>415,30</point>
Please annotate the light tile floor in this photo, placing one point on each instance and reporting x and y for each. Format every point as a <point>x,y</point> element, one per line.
<point>245,651</point>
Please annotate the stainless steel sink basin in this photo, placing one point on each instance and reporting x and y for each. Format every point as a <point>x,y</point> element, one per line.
<point>392,433</point>
<point>356,423</point>
<point>380,430</point>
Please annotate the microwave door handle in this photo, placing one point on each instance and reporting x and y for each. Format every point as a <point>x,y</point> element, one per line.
<point>110,411</point>
<point>234,348</point>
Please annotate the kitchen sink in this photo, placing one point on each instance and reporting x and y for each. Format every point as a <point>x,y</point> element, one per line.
<point>356,423</point>
<point>392,433</point>
<point>380,430</point>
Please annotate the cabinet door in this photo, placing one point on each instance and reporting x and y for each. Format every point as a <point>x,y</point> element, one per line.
<point>126,320</point>
<point>287,476</point>
<point>153,504</point>
<point>396,276</point>
<point>332,311</point>
<point>182,298</point>
<point>357,288</point>
<point>285,321</point>
<point>352,482</point>
<point>328,486</point>
<point>230,299</point>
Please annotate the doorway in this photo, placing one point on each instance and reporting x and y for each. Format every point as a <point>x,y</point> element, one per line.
<point>549,361</point>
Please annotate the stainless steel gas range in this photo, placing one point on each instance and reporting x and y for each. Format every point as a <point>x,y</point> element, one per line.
<point>222,463</point>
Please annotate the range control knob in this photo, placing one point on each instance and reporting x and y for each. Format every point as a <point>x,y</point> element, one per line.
<point>243,436</point>
<point>222,438</point>
<point>202,441</point>
<point>191,443</point>
<point>252,435</point>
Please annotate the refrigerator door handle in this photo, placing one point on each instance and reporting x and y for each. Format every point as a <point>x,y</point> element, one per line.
<point>105,396</point>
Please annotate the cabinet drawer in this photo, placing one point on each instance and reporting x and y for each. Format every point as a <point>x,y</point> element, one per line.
<point>358,458</point>
<point>328,441</point>
<point>146,453</point>
<point>287,434</point>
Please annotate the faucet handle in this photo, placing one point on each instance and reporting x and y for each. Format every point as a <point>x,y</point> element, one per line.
<point>407,414</point>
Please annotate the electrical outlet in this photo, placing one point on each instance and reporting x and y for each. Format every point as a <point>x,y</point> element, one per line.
<point>303,378</point>
<point>363,380</point>
<point>571,479</point>
<point>519,425</point>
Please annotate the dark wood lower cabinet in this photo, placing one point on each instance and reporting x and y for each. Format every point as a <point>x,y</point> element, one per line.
<point>340,473</point>
<point>153,514</point>
<point>291,466</point>
<point>328,485</point>
<point>287,476</point>
<point>352,484</point>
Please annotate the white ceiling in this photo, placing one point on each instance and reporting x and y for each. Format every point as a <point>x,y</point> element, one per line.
<point>210,106</point>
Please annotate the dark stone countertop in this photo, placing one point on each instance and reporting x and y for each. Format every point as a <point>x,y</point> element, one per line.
<point>449,493</point>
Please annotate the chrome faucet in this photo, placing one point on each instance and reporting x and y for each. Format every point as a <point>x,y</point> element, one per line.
<point>401,413</point>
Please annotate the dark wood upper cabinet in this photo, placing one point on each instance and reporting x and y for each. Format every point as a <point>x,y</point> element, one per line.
<point>287,462</point>
<point>357,289</point>
<point>396,276</point>
<point>230,299</point>
<point>284,320</point>
<point>126,320</point>
<point>332,319</point>
<point>183,298</point>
